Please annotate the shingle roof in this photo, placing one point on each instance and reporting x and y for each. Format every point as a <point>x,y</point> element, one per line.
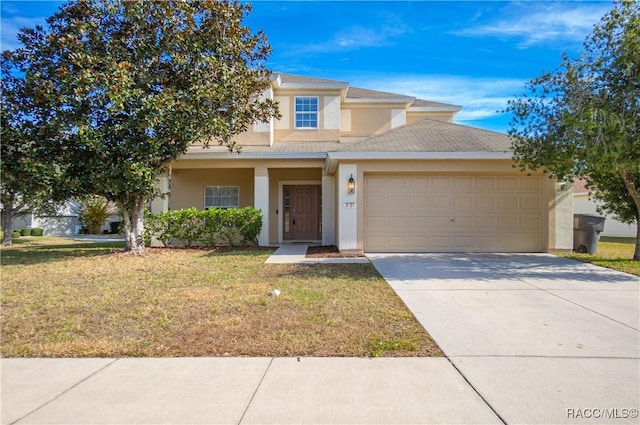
<point>290,78</point>
<point>279,148</point>
<point>430,135</point>
<point>421,103</point>
<point>358,93</point>
<point>423,136</point>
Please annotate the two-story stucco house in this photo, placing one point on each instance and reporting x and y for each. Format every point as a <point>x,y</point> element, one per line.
<point>375,172</point>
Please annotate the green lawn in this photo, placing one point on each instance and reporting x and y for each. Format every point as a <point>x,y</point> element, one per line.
<point>613,253</point>
<point>63,298</point>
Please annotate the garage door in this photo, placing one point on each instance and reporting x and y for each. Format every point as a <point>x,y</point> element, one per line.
<point>453,213</point>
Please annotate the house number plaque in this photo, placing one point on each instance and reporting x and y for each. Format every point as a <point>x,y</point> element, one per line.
<point>349,204</point>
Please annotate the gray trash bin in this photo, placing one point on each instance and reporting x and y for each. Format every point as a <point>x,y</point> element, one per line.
<point>586,232</point>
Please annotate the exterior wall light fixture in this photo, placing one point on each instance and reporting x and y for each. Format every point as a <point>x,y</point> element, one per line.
<point>351,185</point>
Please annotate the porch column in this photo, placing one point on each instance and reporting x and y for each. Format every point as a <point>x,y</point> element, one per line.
<point>161,203</point>
<point>328,210</point>
<point>261,201</point>
<point>347,208</point>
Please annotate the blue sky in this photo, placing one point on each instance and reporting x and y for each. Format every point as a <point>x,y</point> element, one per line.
<point>470,53</point>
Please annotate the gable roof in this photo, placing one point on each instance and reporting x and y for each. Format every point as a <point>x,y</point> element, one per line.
<point>357,94</point>
<point>425,139</point>
<point>430,105</point>
<point>429,135</point>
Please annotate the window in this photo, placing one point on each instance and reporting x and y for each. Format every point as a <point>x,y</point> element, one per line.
<point>306,112</point>
<point>221,197</point>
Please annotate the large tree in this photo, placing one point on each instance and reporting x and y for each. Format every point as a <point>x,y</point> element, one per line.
<point>135,83</point>
<point>583,120</point>
<point>29,172</point>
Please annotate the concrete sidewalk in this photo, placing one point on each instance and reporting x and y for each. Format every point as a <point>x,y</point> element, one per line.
<point>239,391</point>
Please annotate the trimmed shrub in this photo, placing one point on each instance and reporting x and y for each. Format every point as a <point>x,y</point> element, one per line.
<point>248,221</point>
<point>15,234</point>
<point>37,231</point>
<point>186,225</point>
<point>213,222</point>
<point>156,225</point>
<point>211,227</point>
<point>26,231</point>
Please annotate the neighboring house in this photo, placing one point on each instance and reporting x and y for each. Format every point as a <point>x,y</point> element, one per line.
<point>65,222</point>
<point>583,204</point>
<point>375,172</point>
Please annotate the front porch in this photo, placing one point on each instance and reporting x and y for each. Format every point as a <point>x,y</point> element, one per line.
<point>297,198</point>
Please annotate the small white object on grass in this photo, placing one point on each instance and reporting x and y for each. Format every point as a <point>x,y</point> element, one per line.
<point>275,292</point>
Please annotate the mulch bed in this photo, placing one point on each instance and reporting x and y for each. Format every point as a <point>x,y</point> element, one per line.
<point>329,251</point>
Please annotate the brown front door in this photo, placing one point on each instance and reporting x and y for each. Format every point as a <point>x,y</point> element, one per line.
<point>301,212</point>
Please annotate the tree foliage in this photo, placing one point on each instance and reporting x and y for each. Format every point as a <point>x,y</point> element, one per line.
<point>133,84</point>
<point>30,171</point>
<point>583,120</point>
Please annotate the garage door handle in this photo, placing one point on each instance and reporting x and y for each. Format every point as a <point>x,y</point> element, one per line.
<point>453,220</point>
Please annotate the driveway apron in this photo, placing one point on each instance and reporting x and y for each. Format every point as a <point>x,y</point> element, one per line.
<point>542,339</point>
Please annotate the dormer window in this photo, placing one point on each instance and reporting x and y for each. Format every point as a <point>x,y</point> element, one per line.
<point>307,112</point>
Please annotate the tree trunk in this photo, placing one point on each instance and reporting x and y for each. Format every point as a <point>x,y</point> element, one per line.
<point>635,195</point>
<point>12,209</point>
<point>636,252</point>
<point>7,218</point>
<point>133,224</point>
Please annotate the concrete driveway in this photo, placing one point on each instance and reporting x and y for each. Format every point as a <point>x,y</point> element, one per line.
<point>542,339</point>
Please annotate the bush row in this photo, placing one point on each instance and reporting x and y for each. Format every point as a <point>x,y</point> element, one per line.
<point>27,231</point>
<point>211,227</point>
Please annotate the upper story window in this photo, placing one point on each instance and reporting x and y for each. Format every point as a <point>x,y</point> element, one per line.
<point>307,112</point>
<point>221,197</point>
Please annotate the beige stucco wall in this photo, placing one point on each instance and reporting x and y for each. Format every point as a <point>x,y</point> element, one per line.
<point>328,116</point>
<point>439,116</point>
<point>366,120</point>
<point>187,186</point>
<point>253,137</point>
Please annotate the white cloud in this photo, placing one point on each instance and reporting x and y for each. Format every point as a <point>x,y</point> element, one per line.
<point>384,34</point>
<point>542,22</point>
<point>358,36</point>
<point>386,31</point>
<point>480,98</point>
<point>12,26</point>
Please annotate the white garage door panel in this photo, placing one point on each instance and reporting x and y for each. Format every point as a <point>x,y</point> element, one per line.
<point>422,213</point>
